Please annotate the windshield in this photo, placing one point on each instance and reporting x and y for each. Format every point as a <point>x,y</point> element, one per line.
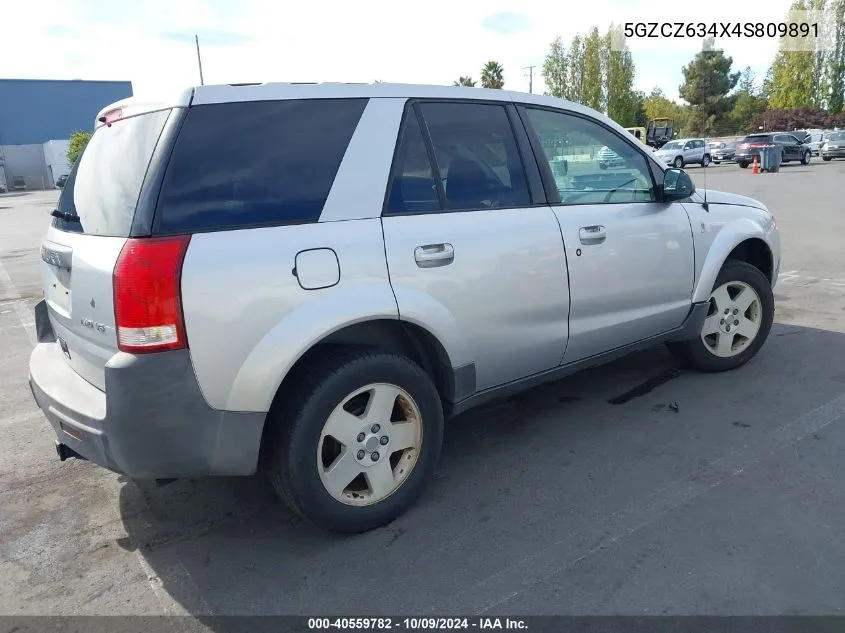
<point>672,145</point>
<point>836,136</point>
<point>103,187</point>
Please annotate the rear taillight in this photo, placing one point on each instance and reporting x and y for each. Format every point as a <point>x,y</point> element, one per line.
<point>147,296</point>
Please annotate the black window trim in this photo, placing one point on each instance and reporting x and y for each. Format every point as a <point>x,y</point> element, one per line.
<point>531,170</point>
<point>243,226</point>
<point>552,192</point>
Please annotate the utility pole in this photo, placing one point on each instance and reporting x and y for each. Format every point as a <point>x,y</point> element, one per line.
<point>199,59</point>
<point>530,70</point>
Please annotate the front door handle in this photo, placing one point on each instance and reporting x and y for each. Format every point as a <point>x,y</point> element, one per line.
<point>592,235</point>
<point>433,255</point>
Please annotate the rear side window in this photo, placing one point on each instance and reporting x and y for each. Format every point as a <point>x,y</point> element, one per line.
<point>102,189</point>
<point>413,189</point>
<point>261,163</point>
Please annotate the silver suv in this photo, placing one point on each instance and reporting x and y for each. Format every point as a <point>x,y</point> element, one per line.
<point>307,280</point>
<point>682,152</point>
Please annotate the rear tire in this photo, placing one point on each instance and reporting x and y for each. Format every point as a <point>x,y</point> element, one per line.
<point>316,442</point>
<point>705,161</point>
<point>730,339</point>
<point>743,165</point>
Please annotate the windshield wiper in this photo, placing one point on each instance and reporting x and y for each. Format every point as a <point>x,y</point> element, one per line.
<point>64,215</point>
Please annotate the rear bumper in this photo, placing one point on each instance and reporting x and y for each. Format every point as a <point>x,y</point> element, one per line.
<point>151,421</point>
<point>746,157</point>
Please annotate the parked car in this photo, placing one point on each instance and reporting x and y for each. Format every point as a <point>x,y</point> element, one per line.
<point>833,147</point>
<point>749,148</point>
<point>18,183</point>
<point>682,152</point>
<point>813,140</point>
<point>608,158</point>
<point>205,328</point>
<point>725,153</point>
<point>61,181</point>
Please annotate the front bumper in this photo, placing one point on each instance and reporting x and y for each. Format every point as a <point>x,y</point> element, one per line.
<point>151,421</point>
<point>833,152</point>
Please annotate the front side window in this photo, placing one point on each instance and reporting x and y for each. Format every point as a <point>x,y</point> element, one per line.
<point>590,164</point>
<point>477,156</point>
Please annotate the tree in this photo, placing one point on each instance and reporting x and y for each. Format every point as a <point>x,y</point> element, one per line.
<point>748,102</point>
<point>593,88</point>
<point>836,59</point>
<point>492,75</point>
<point>78,141</point>
<point>707,82</point>
<point>464,81</point>
<point>623,105</point>
<point>795,73</point>
<point>575,85</point>
<point>555,69</point>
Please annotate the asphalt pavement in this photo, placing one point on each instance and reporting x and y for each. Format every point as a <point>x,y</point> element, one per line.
<point>627,489</point>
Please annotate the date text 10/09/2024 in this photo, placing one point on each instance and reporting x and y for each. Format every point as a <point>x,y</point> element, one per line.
<point>722,29</point>
<point>417,624</point>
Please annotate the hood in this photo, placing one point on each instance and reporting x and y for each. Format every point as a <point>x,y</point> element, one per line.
<point>721,197</point>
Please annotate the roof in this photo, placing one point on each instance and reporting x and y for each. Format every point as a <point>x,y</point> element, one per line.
<point>229,93</point>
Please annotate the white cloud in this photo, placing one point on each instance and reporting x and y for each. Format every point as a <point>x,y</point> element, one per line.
<point>330,40</point>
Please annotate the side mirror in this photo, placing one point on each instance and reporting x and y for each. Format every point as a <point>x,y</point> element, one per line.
<point>677,185</point>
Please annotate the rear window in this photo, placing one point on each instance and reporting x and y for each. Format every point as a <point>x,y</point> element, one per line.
<point>757,138</point>
<point>261,163</point>
<point>103,186</point>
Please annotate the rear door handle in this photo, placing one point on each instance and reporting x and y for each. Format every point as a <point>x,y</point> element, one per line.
<point>592,235</point>
<point>433,255</point>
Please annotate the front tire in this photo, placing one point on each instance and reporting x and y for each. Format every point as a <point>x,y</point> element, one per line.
<point>358,441</point>
<point>678,163</point>
<point>806,158</point>
<point>826,158</point>
<point>740,315</point>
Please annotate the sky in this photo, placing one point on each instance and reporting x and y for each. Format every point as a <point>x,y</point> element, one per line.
<point>151,42</point>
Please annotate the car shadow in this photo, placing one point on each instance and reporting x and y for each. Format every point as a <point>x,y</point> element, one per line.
<point>512,475</point>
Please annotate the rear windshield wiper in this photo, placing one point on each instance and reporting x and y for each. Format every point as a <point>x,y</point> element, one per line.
<point>64,215</point>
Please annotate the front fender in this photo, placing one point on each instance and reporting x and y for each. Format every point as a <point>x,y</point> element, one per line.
<point>270,360</point>
<point>728,236</point>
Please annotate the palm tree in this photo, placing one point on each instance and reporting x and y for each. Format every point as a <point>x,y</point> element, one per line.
<point>464,81</point>
<point>492,75</point>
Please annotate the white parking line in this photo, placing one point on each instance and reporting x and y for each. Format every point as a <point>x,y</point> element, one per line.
<point>793,278</point>
<point>8,289</point>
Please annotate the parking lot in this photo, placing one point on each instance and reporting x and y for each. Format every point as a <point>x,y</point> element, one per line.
<point>628,489</point>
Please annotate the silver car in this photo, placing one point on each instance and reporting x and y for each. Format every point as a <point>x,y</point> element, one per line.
<point>308,280</point>
<point>682,152</point>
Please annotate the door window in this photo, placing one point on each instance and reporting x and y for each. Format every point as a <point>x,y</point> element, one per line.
<point>413,189</point>
<point>590,164</point>
<point>477,156</point>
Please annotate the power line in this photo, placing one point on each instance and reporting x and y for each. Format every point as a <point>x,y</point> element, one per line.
<point>530,70</point>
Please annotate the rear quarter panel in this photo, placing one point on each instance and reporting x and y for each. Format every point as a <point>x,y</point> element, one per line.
<point>248,320</point>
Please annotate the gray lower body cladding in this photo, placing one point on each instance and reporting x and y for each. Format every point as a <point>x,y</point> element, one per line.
<point>151,421</point>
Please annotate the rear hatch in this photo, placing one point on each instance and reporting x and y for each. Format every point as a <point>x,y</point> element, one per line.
<point>90,226</point>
